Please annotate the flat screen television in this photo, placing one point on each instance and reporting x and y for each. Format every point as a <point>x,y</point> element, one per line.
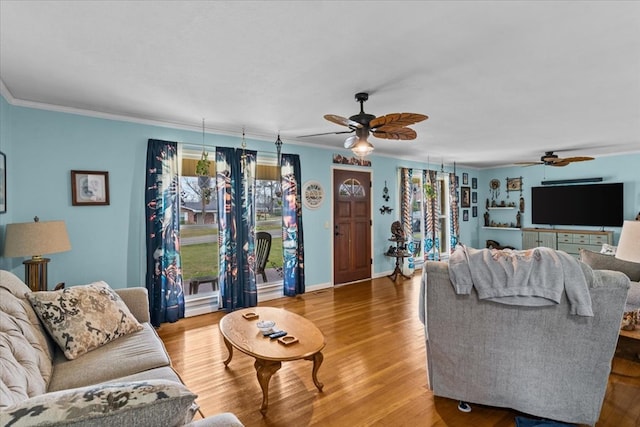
<point>588,204</point>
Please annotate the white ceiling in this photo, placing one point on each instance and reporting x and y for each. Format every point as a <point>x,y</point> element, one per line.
<point>500,81</point>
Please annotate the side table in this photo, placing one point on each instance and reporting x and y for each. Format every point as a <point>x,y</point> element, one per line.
<point>400,253</point>
<point>629,344</point>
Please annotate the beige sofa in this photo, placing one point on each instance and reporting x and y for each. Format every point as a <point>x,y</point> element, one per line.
<point>542,361</point>
<point>128,381</point>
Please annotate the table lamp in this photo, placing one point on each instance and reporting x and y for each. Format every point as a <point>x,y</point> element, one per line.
<point>35,239</point>
<point>629,243</point>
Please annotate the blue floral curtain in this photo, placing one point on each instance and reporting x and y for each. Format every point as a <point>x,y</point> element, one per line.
<point>432,215</point>
<point>236,186</point>
<point>454,225</point>
<point>162,212</point>
<point>292,238</point>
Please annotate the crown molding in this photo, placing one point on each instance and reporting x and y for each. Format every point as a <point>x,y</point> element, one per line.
<point>260,136</point>
<point>12,100</point>
<point>4,91</point>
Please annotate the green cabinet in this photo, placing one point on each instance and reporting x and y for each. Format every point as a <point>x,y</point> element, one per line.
<point>532,238</point>
<point>570,241</point>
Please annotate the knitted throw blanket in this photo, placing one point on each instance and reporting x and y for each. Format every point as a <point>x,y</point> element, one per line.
<point>532,277</point>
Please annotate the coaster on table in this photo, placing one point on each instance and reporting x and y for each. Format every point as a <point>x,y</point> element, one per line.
<point>250,315</point>
<point>286,340</point>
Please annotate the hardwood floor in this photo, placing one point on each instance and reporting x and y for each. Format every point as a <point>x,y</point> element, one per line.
<point>374,369</point>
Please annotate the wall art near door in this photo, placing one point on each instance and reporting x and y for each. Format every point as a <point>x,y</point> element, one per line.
<point>89,188</point>
<point>312,194</point>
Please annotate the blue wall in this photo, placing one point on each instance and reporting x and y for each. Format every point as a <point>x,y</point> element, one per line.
<point>42,147</point>
<point>624,169</point>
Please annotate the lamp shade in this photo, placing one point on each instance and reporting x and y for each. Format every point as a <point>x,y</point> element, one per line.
<point>629,243</point>
<point>362,148</point>
<point>35,239</point>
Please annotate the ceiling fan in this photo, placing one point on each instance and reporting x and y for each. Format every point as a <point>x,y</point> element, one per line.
<point>551,159</point>
<point>389,126</point>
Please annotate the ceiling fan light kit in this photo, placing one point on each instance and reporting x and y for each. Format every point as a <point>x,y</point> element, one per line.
<point>389,126</point>
<point>362,148</point>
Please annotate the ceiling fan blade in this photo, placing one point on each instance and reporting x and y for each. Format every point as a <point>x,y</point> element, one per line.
<point>350,142</point>
<point>397,120</point>
<point>343,121</point>
<point>387,132</point>
<point>326,133</point>
<point>560,163</point>
<point>577,159</point>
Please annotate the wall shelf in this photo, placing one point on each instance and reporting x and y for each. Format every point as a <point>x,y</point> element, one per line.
<point>503,228</point>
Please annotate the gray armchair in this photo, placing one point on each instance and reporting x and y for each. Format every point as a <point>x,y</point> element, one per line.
<point>541,361</point>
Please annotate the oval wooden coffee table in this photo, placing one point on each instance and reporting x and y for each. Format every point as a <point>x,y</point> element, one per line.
<point>244,335</point>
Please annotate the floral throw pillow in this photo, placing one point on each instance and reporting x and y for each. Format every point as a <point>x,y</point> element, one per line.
<point>149,403</point>
<point>83,318</point>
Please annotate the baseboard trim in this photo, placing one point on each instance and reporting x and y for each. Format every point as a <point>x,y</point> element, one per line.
<point>270,291</point>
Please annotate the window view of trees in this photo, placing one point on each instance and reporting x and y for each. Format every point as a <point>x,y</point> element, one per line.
<point>199,228</point>
<point>417,216</point>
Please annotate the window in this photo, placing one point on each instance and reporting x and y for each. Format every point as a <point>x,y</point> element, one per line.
<point>199,228</point>
<point>418,227</point>
<point>352,188</point>
<point>417,218</point>
<point>445,214</point>
<point>269,214</point>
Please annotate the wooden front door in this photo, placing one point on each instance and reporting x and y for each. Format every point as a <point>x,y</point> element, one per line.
<point>352,226</point>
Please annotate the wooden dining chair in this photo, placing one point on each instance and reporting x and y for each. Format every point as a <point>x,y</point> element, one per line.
<point>263,247</point>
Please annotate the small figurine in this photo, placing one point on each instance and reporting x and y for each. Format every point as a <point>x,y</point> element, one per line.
<point>518,218</point>
<point>486,219</point>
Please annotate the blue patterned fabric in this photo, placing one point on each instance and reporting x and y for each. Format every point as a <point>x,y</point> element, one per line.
<point>235,186</point>
<point>454,224</point>
<point>292,238</point>
<point>527,422</point>
<point>162,212</point>
<point>406,194</point>
<point>432,217</point>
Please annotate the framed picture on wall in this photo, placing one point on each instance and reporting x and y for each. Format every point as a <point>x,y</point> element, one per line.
<point>465,215</point>
<point>474,183</point>
<point>465,179</point>
<point>474,211</point>
<point>3,182</point>
<point>465,197</point>
<point>474,197</point>
<point>514,184</point>
<point>89,188</point>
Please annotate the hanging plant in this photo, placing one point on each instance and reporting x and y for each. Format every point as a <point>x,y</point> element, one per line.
<point>202,167</point>
<point>429,191</point>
